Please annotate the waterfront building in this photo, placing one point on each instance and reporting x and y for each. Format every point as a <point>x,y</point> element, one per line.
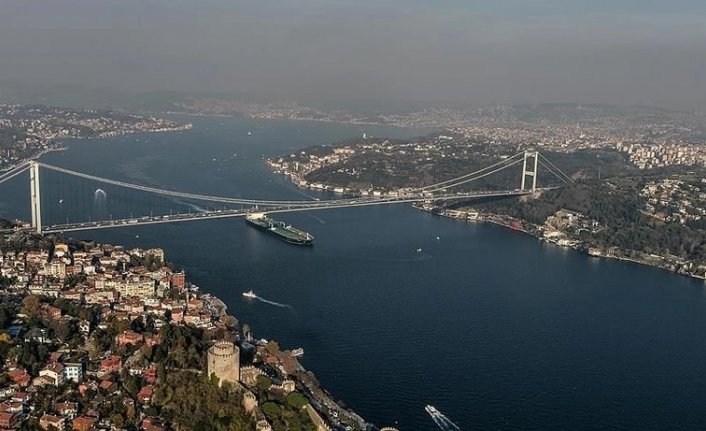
<point>224,362</point>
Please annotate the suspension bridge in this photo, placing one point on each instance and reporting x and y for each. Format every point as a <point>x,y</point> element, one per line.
<point>442,191</point>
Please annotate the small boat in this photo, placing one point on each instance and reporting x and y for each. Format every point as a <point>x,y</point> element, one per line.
<point>298,352</point>
<point>419,250</point>
<point>441,420</point>
<point>249,294</point>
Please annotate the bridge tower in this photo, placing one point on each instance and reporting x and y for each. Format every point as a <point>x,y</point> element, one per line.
<point>35,196</point>
<point>533,157</point>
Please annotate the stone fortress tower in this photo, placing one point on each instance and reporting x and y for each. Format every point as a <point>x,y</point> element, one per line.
<point>224,362</point>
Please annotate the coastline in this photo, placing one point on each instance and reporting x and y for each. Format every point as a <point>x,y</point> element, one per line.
<point>532,230</point>
<point>167,296</point>
<point>325,408</point>
<point>304,119</point>
<point>34,157</point>
<point>61,146</point>
<point>498,219</point>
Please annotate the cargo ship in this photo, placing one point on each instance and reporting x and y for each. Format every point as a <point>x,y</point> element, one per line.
<point>286,232</point>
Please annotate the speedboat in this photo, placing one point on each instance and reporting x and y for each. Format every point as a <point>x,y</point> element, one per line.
<point>249,294</point>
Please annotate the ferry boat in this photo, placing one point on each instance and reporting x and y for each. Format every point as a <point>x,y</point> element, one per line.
<point>286,232</point>
<point>249,294</point>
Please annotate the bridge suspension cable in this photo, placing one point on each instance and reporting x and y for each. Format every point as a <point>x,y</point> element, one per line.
<point>549,169</point>
<point>563,176</point>
<point>420,193</point>
<point>184,195</point>
<point>14,172</point>
<point>442,184</point>
<point>468,180</point>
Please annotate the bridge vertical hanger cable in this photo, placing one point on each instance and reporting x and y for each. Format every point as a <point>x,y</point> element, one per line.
<point>183,195</point>
<point>135,201</point>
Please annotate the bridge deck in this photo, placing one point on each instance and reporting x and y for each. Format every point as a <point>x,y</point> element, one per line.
<point>306,206</point>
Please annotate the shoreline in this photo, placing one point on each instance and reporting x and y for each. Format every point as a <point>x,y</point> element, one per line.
<point>299,119</point>
<point>587,251</point>
<point>35,157</point>
<point>186,305</point>
<point>497,219</point>
<point>325,404</point>
<point>63,146</point>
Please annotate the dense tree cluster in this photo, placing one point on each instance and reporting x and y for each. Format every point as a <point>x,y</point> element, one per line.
<point>398,163</point>
<point>284,412</point>
<point>617,206</point>
<point>181,347</point>
<point>191,401</point>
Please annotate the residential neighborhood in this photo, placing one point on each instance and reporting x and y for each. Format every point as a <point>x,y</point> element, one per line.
<point>96,336</point>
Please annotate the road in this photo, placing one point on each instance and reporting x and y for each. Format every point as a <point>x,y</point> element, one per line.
<point>308,206</point>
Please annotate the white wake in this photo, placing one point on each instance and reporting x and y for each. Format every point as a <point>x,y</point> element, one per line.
<point>267,301</point>
<point>442,421</point>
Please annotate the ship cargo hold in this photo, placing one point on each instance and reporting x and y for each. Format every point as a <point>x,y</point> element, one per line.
<point>280,229</point>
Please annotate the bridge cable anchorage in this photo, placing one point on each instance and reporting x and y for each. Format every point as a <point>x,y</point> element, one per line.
<point>442,183</point>
<point>14,172</point>
<point>568,178</point>
<point>477,178</point>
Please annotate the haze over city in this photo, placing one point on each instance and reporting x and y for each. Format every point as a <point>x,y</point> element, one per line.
<point>470,52</point>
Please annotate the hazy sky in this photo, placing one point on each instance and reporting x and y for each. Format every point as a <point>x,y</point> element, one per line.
<point>475,51</point>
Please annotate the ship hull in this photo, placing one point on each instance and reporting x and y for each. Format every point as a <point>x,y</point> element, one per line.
<point>304,241</point>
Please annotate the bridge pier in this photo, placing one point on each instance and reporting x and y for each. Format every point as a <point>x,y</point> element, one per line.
<point>35,197</point>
